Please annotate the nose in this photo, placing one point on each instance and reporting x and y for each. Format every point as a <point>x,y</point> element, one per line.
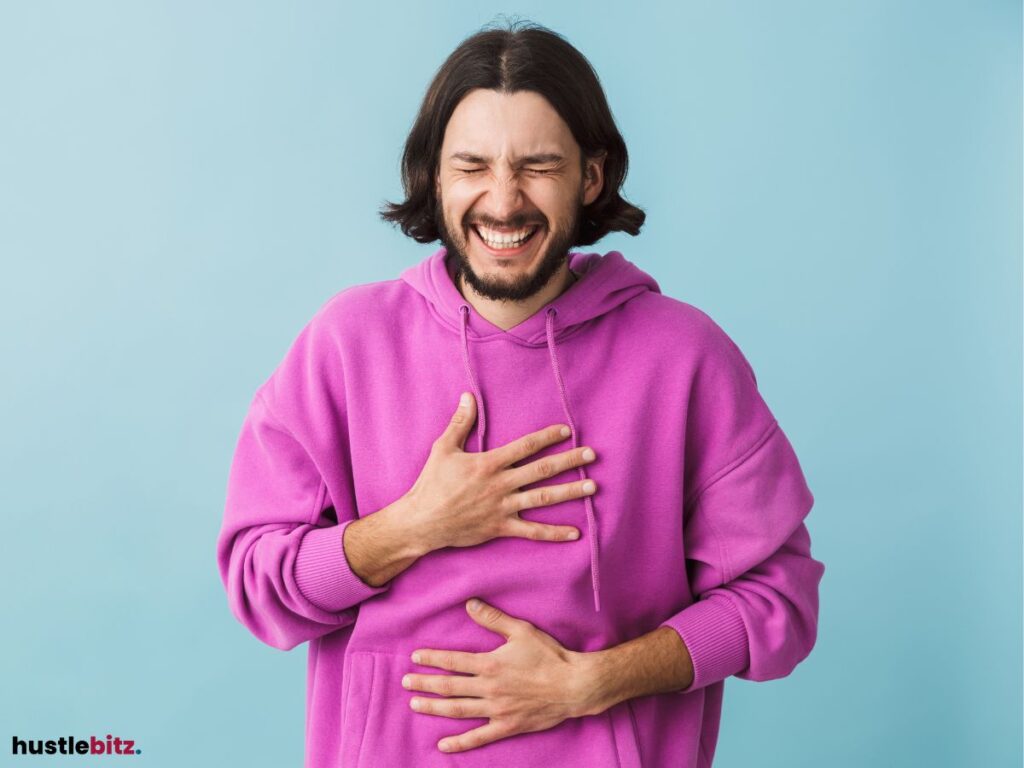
<point>505,196</point>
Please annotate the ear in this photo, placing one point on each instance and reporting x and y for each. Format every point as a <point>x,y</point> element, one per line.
<point>593,177</point>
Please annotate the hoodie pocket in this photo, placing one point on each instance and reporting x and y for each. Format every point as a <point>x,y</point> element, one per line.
<point>356,689</point>
<point>380,729</point>
<point>627,740</point>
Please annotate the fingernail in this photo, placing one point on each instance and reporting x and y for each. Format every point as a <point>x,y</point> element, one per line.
<point>573,535</point>
<point>474,604</point>
<point>588,454</point>
<point>464,399</point>
<point>406,681</point>
<point>588,486</point>
<point>566,431</point>
<point>444,746</point>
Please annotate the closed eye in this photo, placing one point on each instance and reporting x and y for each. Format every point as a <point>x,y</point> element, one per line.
<point>542,171</point>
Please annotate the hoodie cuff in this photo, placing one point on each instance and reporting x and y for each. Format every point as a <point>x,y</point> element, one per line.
<point>714,634</point>
<point>323,574</point>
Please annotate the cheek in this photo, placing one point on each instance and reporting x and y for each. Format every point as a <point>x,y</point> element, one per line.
<point>457,200</point>
<point>556,203</point>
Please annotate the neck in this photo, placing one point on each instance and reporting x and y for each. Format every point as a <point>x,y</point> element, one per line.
<point>508,314</point>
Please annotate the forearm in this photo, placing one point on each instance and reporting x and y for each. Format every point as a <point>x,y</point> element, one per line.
<point>382,545</point>
<point>657,662</point>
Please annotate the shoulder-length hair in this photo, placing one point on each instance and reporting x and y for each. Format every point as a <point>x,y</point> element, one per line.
<point>531,58</point>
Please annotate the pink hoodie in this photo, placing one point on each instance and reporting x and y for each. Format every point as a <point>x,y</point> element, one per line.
<point>697,523</point>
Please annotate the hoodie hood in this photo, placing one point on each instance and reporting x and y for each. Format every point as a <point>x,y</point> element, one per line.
<point>603,283</point>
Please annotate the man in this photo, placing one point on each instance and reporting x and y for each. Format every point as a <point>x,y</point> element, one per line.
<point>611,486</point>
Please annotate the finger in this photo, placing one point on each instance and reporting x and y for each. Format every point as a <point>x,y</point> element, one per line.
<point>460,424</point>
<point>477,737</point>
<point>552,494</point>
<point>453,661</point>
<point>549,466</point>
<point>527,445</point>
<point>494,619</point>
<point>444,685</point>
<point>449,707</point>
<point>526,529</point>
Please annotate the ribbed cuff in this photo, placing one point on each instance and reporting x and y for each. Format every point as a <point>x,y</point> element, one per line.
<point>714,634</point>
<point>323,574</point>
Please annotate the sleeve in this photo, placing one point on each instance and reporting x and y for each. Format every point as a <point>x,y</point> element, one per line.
<point>748,550</point>
<point>280,551</point>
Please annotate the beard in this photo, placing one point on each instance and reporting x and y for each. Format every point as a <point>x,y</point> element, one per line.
<point>523,286</point>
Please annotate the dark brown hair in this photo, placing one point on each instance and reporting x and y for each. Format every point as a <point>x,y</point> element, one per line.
<point>519,57</point>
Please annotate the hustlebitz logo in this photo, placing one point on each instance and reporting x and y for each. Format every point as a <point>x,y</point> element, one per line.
<point>69,745</point>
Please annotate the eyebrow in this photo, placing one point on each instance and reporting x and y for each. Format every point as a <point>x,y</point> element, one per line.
<point>538,159</point>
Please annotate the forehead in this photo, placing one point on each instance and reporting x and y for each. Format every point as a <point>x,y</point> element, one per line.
<point>491,123</point>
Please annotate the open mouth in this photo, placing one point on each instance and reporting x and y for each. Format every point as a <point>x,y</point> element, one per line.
<point>511,244</point>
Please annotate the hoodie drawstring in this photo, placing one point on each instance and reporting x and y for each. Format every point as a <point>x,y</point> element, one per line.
<point>464,312</point>
<point>587,500</point>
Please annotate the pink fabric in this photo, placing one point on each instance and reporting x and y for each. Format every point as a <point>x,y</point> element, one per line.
<point>697,523</point>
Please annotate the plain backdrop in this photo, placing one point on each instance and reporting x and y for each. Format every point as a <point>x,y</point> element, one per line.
<point>183,184</point>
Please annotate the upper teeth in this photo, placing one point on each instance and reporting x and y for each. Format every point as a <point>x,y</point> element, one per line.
<point>500,239</point>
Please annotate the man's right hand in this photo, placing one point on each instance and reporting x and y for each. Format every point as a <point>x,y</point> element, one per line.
<point>462,499</point>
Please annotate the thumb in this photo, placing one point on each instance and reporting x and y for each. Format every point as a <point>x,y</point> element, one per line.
<point>486,615</point>
<point>461,423</point>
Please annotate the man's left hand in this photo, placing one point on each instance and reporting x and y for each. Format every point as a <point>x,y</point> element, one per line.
<point>531,683</point>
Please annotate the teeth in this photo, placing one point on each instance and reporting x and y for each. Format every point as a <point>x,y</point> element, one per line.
<point>504,240</point>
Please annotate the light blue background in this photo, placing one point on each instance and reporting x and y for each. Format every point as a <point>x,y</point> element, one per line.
<point>183,184</point>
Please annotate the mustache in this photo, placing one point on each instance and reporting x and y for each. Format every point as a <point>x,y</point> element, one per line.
<point>513,224</point>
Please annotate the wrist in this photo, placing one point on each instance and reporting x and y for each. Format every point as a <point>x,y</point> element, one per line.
<point>590,689</point>
<point>401,519</point>
<point>380,546</point>
<point>658,662</point>
<point>416,535</point>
